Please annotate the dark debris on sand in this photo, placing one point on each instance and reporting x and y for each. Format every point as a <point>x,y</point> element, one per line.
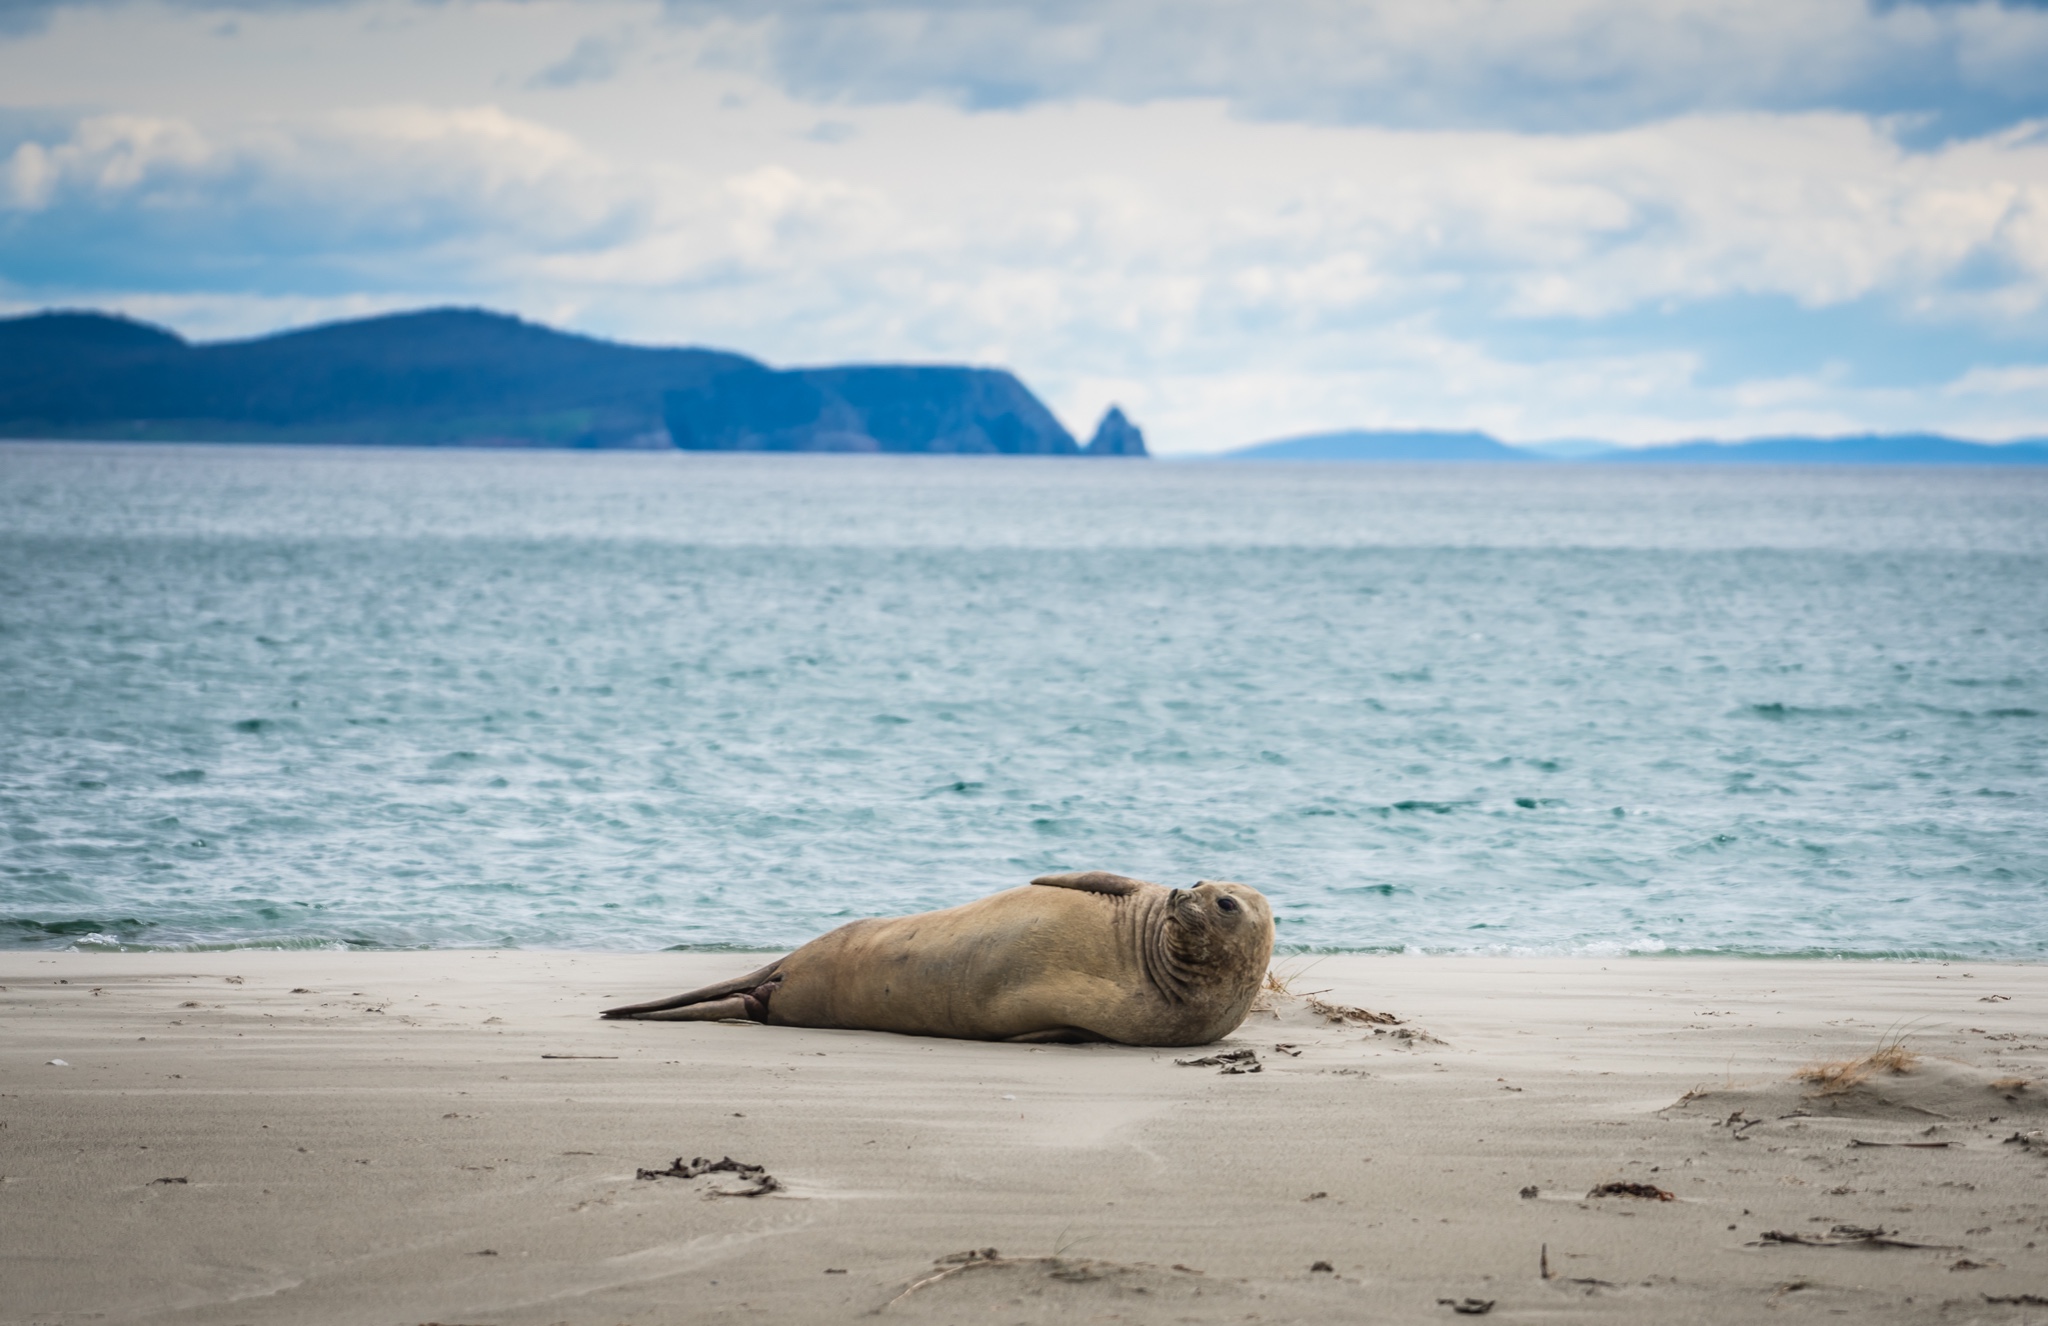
<point>1846,1236</point>
<point>761,1181</point>
<point>1341,1014</point>
<point>1228,1062</point>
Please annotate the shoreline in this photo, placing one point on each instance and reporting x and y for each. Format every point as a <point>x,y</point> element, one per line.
<point>1281,957</point>
<point>453,1136</point>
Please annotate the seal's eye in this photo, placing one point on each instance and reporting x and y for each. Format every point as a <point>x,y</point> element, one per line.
<point>1226,904</point>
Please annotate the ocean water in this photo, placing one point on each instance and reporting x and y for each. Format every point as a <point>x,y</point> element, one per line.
<point>397,698</point>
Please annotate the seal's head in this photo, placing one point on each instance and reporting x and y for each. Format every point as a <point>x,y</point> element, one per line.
<point>1223,930</point>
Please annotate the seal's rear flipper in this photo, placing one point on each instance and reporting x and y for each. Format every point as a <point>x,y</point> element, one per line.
<point>1092,881</point>
<point>659,1009</point>
<point>733,1008</point>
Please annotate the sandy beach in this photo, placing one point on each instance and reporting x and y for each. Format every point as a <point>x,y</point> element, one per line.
<point>454,1137</point>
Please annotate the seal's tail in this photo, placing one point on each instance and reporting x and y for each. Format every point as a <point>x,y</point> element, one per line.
<point>685,1007</point>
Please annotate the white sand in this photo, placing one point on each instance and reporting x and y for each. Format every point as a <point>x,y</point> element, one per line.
<point>390,1146</point>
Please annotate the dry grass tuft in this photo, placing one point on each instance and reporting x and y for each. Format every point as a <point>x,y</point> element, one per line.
<point>1282,977</point>
<point>1835,1076</point>
<point>1280,983</point>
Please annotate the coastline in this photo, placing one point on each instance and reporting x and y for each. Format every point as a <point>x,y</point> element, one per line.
<point>378,1137</point>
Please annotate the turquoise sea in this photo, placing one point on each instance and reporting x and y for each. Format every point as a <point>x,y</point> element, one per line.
<point>394,698</point>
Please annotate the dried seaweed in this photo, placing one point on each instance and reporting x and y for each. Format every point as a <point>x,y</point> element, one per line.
<point>1346,1013</point>
<point>758,1176</point>
<point>1848,1236</point>
<point>1228,1062</point>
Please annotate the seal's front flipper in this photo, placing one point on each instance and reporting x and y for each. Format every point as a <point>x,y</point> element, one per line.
<point>1092,881</point>
<point>1056,1036</point>
<point>742,986</point>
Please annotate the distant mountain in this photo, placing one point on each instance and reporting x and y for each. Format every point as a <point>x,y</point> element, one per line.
<point>466,377</point>
<point>1360,444</point>
<point>1869,449</point>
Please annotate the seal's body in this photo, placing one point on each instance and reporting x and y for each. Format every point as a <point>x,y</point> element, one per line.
<point>1090,956</point>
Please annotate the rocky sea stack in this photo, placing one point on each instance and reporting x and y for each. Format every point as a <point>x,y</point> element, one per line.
<point>1116,436</point>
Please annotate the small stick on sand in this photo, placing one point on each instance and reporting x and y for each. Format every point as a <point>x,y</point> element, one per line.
<point>960,1261</point>
<point>932,1279</point>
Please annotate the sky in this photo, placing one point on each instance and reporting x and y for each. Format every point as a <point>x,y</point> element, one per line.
<point>1640,220</point>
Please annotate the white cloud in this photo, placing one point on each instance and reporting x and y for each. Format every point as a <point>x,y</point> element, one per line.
<point>109,154</point>
<point>1541,65</point>
<point>2030,379</point>
<point>1557,65</point>
<point>30,177</point>
<point>1822,208</point>
<point>384,182</point>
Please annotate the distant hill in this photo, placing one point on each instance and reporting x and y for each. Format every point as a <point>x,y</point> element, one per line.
<point>1569,448</point>
<point>1868,449</point>
<point>1359,444</point>
<point>466,377</point>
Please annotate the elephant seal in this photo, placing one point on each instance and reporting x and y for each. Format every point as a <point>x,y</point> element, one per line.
<point>1079,957</point>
